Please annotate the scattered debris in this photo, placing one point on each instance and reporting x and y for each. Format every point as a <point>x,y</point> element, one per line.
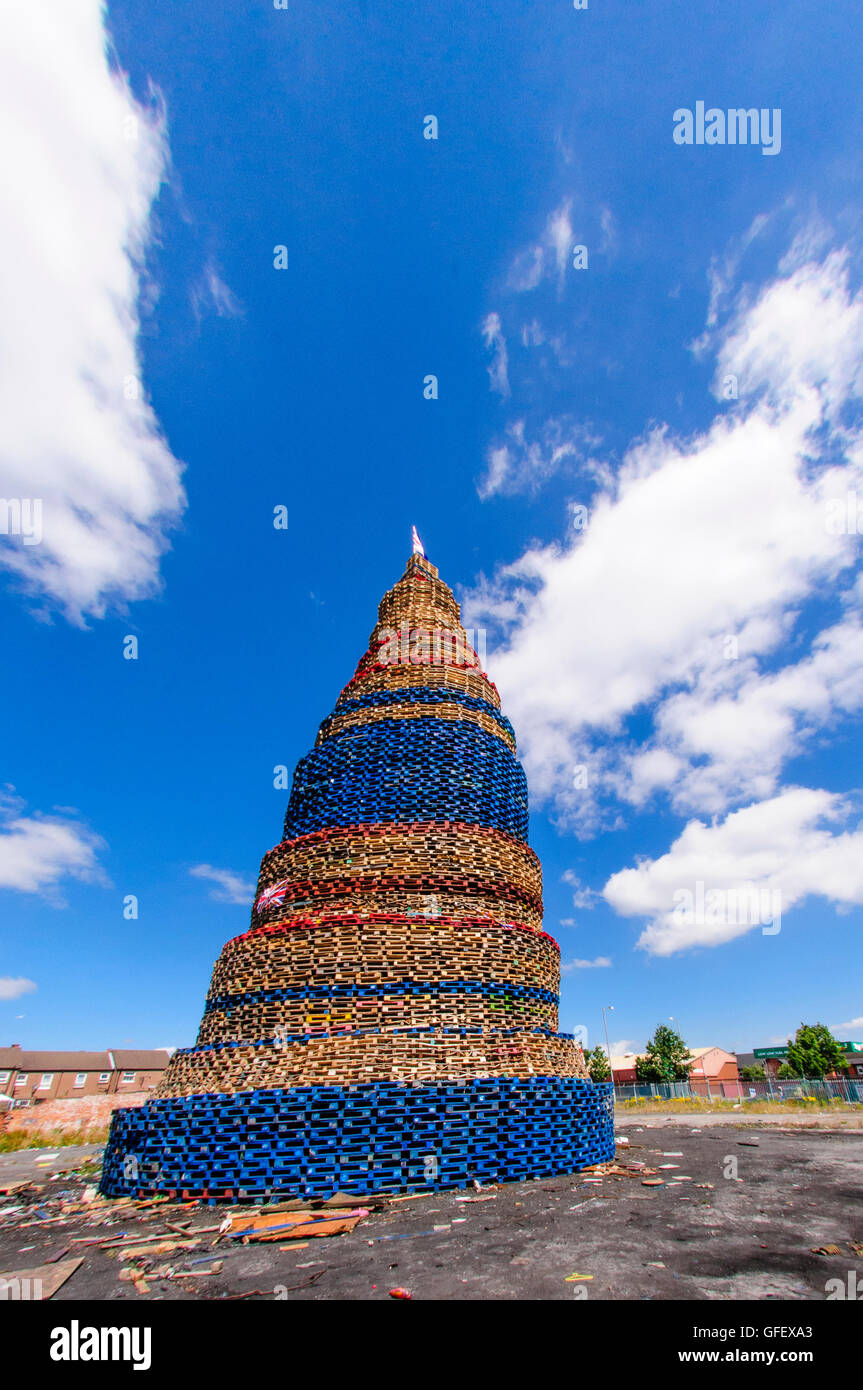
<point>400,1293</point>
<point>344,1199</point>
<point>577,1278</point>
<point>292,1225</point>
<point>826,1250</point>
<point>47,1279</point>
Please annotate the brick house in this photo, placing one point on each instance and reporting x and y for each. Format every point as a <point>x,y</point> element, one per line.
<point>709,1067</point>
<point>33,1077</point>
<point>623,1068</point>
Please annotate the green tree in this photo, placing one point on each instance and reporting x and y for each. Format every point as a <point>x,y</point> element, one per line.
<point>666,1058</point>
<point>597,1064</point>
<point>814,1052</point>
<point>754,1073</point>
<point>786,1073</point>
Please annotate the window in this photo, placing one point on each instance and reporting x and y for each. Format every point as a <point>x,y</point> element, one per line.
<point>104,1078</point>
<point>126,1078</point>
<point>81,1078</point>
<point>4,1077</point>
<point>47,1081</point>
<point>21,1079</point>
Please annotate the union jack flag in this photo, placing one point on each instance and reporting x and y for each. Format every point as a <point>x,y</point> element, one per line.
<point>273,896</point>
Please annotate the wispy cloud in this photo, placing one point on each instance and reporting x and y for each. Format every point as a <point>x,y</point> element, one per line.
<point>608,232</point>
<point>230,887</point>
<point>600,963</point>
<point>582,897</point>
<point>496,343</point>
<point>850,1031</point>
<point>547,256</point>
<point>213,291</point>
<point>518,463</point>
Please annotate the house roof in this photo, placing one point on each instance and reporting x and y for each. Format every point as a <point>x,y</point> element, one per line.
<point>624,1061</point>
<point>16,1059</point>
<point>146,1060</point>
<point>627,1060</point>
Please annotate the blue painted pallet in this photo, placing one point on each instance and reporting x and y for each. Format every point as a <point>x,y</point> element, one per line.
<point>507,1130</point>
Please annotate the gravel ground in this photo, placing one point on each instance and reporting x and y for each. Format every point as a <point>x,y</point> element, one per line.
<point>757,1199</point>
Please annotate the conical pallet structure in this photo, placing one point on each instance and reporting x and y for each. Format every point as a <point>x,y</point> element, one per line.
<point>389,1021</point>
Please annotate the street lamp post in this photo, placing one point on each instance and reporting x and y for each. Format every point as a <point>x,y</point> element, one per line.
<point>607,1045</point>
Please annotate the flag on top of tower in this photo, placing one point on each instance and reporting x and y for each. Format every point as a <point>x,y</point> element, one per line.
<point>417,543</point>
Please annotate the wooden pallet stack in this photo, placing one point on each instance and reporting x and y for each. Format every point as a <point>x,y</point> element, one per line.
<point>396,933</point>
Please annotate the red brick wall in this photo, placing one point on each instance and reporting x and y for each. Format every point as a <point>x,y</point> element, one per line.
<point>83,1112</point>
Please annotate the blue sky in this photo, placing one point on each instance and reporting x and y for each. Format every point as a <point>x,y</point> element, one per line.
<point>682,659</point>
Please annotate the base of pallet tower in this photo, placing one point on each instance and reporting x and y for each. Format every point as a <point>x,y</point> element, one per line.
<point>383,1137</point>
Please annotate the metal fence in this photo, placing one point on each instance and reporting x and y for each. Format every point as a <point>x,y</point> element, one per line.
<point>845,1089</point>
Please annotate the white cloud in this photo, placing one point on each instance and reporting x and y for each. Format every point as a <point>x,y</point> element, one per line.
<point>690,543</point>
<point>496,343</point>
<point>13,989</point>
<point>519,464</point>
<point>600,963</point>
<point>800,342</point>
<point>546,257</point>
<point>734,730</point>
<point>231,887</point>
<point>722,275</point>
<point>785,849</point>
<point>559,237</point>
<point>213,290</point>
<point>849,1031</point>
<point>83,165</point>
<point>37,851</point>
<point>608,230</point>
<point>582,897</point>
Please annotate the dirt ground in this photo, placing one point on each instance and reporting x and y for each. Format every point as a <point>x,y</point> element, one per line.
<point>740,1208</point>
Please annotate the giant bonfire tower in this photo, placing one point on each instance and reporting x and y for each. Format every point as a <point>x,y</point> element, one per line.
<point>389,1021</point>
